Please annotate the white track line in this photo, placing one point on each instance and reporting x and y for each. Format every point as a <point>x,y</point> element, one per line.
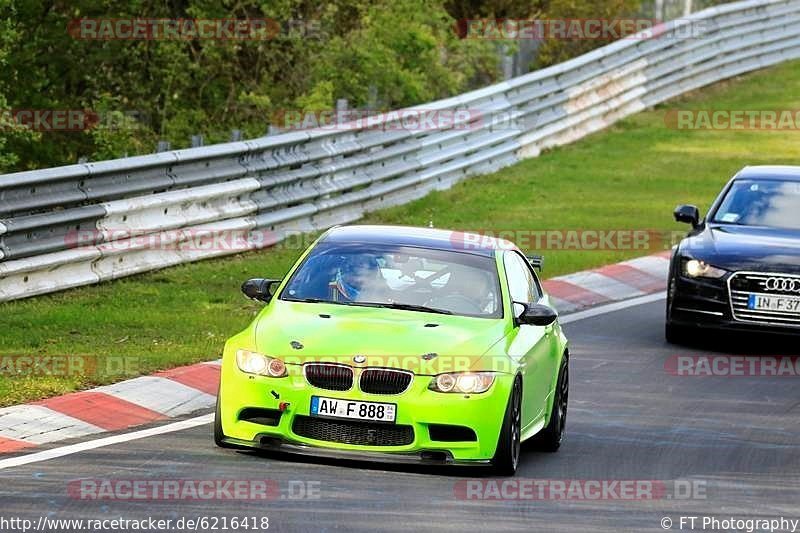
<point>610,308</point>
<point>106,441</point>
<point>54,453</point>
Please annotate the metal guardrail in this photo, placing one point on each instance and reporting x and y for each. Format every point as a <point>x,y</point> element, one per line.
<point>308,180</point>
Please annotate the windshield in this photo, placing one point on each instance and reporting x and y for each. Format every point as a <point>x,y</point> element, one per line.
<point>773,203</point>
<point>417,279</point>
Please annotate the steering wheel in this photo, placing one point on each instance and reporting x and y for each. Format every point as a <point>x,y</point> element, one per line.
<point>428,282</point>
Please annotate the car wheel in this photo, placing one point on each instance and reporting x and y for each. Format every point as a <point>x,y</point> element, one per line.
<point>675,334</point>
<point>506,458</point>
<point>550,438</point>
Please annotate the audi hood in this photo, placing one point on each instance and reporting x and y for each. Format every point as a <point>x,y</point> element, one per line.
<point>745,248</point>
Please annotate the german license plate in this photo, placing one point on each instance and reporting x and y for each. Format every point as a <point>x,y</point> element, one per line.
<point>786,304</point>
<point>339,408</point>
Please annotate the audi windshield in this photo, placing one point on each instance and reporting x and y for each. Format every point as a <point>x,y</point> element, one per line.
<point>764,202</point>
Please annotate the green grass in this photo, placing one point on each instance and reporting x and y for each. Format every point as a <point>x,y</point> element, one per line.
<point>629,176</point>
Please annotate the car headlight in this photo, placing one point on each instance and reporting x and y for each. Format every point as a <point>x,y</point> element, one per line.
<point>260,364</point>
<point>462,382</point>
<point>695,268</point>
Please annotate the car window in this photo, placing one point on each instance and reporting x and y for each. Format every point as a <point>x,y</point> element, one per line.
<point>537,285</point>
<point>455,282</point>
<point>773,203</point>
<point>521,283</point>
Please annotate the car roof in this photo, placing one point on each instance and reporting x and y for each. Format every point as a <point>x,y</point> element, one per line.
<point>436,239</point>
<point>781,172</point>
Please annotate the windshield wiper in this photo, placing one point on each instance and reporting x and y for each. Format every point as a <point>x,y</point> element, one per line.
<point>318,301</point>
<point>411,307</point>
<point>386,305</point>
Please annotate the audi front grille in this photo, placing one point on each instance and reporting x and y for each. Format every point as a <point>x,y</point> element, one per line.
<point>329,376</point>
<point>384,381</point>
<point>742,284</point>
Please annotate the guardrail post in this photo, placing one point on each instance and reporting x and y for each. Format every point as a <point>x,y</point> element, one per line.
<point>197,141</point>
<point>163,146</point>
<point>341,110</point>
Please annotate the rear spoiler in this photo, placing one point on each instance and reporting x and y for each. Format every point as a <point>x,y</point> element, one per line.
<point>536,261</point>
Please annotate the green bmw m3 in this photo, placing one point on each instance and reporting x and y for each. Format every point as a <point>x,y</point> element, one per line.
<point>399,344</point>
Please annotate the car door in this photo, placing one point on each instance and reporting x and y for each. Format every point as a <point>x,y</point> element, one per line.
<point>533,347</point>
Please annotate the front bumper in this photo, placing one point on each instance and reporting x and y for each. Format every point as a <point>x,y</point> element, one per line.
<point>422,457</point>
<point>418,408</point>
<point>705,303</point>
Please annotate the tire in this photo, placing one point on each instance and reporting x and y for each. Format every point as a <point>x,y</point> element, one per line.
<point>551,437</point>
<point>506,458</point>
<point>675,334</point>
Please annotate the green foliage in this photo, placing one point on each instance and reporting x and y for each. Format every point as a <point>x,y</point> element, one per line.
<point>172,89</point>
<point>318,98</point>
<point>10,131</point>
<point>380,53</point>
<point>117,132</point>
<point>407,50</point>
<point>555,51</point>
<point>472,9</point>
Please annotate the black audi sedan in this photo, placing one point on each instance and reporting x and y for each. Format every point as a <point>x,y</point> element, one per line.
<point>739,267</point>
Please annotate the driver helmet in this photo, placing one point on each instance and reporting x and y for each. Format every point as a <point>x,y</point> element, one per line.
<point>353,275</point>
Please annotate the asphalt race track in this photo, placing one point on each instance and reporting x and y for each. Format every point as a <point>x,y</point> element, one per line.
<point>734,440</point>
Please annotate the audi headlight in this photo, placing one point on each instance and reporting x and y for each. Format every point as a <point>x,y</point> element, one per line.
<point>260,364</point>
<point>462,382</point>
<point>700,269</point>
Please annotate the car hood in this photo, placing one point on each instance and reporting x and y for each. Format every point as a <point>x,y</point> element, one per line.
<point>745,248</point>
<point>307,332</point>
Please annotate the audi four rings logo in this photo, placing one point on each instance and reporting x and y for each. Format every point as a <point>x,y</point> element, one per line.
<point>782,284</point>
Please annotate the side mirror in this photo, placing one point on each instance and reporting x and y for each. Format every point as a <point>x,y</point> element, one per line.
<point>259,288</point>
<point>537,315</point>
<point>688,214</point>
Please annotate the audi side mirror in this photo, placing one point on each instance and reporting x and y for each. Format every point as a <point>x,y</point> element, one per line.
<point>260,288</point>
<point>688,214</point>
